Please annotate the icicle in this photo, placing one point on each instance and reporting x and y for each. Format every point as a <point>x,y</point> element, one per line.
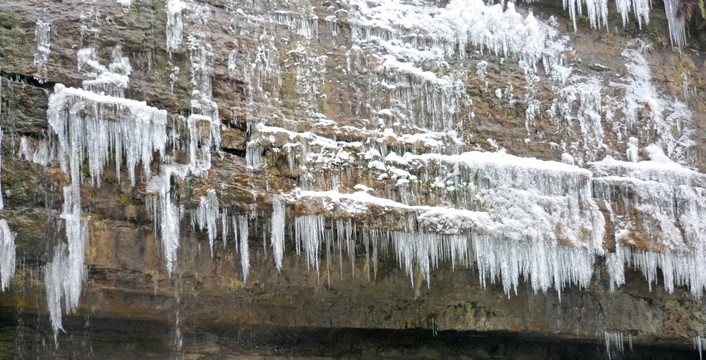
<point>42,34</point>
<point>224,226</point>
<point>53,275</point>
<point>200,142</point>
<point>309,233</point>
<point>253,156</point>
<point>676,23</point>
<point>7,255</point>
<point>95,125</point>
<point>699,345</point>
<point>203,108</point>
<point>641,8</point>
<point>244,251</point>
<point>234,221</point>
<point>632,150</point>
<point>63,276</point>
<point>278,225</point>
<point>168,213</point>
<point>175,24</point>
<point>207,216</point>
<point>7,244</point>
<point>614,339</point>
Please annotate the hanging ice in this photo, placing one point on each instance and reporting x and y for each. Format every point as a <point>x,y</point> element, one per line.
<point>7,254</point>
<point>203,126</point>
<point>94,126</point>
<point>309,232</point>
<point>597,13</point>
<point>207,216</point>
<point>7,246</point>
<point>414,43</point>
<point>676,22</point>
<point>614,339</point>
<point>167,212</point>
<point>501,253</point>
<point>202,104</point>
<point>42,34</point>
<point>244,250</point>
<point>661,204</point>
<point>175,24</point>
<point>278,225</point>
<point>63,276</point>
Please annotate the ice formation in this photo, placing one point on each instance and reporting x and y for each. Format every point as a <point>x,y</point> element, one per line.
<point>597,13</point>
<point>125,3</point>
<point>278,226</point>
<point>409,37</point>
<point>203,126</point>
<point>7,246</point>
<point>699,345</point>
<point>41,154</point>
<point>92,126</point>
<point>166,210</point>
<point>512,218</point>
<point>617,340</point>
<point>244,249</point>
<point>42,39</point>
<point>669,119</point>
<point>207,216</point>
<point>175,24</point>
<point>547,211</point>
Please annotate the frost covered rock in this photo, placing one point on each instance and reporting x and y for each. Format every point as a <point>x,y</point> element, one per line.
<point>386,141</point>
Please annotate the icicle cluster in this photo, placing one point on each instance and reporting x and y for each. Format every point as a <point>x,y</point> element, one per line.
<point>204,134</point>
<point>95,125</point>
<point>699,345</point>
<point>532,207</point>
<point>167,211</point>
<point>615,339</point>
<point>418,252</point>
<point>92,126</point>
<point>207,216</point>
<point>414,43</point>
<point>597,13</point>
<point>513,218</point>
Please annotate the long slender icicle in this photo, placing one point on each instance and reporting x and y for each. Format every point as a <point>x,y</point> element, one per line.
<point>278,226</point>
<point>244,251</point>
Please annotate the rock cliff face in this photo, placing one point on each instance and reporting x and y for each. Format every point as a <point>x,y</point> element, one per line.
<point>354,164</point>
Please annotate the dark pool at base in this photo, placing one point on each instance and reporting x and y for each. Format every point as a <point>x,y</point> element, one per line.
<point>28,336</point>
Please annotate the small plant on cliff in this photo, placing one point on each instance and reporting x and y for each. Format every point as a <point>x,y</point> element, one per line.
<point>125,199</point>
